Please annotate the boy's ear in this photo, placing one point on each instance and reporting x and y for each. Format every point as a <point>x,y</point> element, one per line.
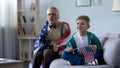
<point>88,26</point>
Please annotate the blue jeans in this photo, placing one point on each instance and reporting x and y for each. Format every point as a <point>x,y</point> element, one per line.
<point>78,60</point>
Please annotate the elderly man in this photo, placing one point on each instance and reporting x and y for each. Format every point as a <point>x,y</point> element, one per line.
<point>51,41</point>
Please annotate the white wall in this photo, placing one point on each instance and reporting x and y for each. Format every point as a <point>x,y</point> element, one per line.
<point>102,17</point>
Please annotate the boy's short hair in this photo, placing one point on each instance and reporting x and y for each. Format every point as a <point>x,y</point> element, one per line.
<point>84,17</point>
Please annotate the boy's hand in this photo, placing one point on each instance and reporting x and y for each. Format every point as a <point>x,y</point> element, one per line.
<point>69,50</point>
<point>94,47</point>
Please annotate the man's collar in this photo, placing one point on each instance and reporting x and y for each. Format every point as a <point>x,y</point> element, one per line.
<point>55,25</point>
<point>52,26</point>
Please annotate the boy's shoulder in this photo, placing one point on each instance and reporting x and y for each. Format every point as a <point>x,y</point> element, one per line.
<point>75,33</point>
<point>90,33</point>
<point>72,36</point>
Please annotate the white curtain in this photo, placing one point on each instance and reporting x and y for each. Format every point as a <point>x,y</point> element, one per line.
<point>8,22</point>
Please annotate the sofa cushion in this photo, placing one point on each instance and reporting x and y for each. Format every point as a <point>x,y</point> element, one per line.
<point>112,52</point>
<point>103,40</point>
<point>60,63</point>
<point>111,35</point>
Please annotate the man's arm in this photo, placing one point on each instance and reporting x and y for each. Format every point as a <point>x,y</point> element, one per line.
<point>66,33</point>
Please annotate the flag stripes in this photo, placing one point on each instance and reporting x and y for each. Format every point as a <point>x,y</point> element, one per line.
<point>88,54</point>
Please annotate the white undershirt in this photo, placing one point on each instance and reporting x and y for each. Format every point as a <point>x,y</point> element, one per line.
<point>81,41</point>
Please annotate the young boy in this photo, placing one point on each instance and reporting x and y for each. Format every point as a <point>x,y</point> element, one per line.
<point>82,39</point>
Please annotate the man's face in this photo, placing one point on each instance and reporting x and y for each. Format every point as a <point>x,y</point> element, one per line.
<point>52,15</point>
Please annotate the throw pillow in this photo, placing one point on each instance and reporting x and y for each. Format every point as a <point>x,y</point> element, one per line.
<point>112,52</point>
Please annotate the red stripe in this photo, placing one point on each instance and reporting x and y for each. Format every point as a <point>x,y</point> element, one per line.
<point>62,47</point>
<point>88,56</point>
<point>64,36</point>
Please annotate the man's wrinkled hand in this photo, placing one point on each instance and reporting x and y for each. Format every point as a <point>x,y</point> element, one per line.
<point>55,48</point>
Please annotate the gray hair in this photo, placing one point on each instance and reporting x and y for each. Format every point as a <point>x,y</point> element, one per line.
<point>53,8</point>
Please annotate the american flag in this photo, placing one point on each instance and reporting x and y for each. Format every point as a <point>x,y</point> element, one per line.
<point>87,53</point>
<point>38,45</point>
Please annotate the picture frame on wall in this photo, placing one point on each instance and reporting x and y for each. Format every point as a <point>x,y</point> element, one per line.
<point>83,3</point>
<point>97,2</point>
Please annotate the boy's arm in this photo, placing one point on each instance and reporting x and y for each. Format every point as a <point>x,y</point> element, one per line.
<point>96,43</point>
<point>70,45</point>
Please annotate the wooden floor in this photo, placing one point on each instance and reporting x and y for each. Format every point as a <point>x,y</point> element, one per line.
<point>26,64</point>
<point>10,63</point>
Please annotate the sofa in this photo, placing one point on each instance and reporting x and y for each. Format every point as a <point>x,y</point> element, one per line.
<point>111,54</point>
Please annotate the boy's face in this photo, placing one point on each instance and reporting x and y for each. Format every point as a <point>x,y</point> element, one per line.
<point>82,25</point>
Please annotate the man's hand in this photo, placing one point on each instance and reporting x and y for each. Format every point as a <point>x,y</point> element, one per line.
<point>69,50</point>
<point>55,48</point>
<point>94,47</point>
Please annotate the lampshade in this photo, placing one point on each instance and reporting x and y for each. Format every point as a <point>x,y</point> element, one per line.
<point>116,5</point>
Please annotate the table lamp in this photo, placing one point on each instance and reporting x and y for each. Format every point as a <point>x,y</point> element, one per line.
<point>116,6</point>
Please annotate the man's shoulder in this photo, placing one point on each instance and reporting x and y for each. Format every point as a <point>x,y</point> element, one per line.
<point>65,24</point>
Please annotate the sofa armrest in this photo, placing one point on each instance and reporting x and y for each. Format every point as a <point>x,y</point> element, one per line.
<point>112,52</point>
